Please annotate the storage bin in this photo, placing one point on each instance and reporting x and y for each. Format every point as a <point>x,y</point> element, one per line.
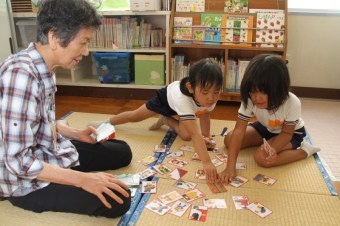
<point>27,32</point>
<point>149,69</point>
<point>114,67</point>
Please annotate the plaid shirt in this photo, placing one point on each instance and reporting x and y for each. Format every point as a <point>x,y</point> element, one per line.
<point>27,106</point>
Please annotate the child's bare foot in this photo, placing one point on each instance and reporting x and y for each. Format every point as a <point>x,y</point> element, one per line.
<point>158,124</point>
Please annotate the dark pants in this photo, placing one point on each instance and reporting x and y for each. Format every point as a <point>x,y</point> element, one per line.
<point>110,155</point>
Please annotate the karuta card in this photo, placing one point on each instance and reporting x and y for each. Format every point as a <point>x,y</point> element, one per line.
<point>162,169</point>
<point>178,162</point>
<point>175,154</point>
<point>177,173</point>
<point>147,160</point>
<point>264,179</point>
<point>217,187</point>
<point>200,174</point>
<point>149,187</point>
<point>215,203</point>
<point>170,197</point>
<point>147,173</point>
<point>186,148</point>
<point>195,157</point>
<point>161,148</point>
<point>179,208</point>
<point>222,157</point>
<point>198,213</point>
<point>157,207</point>
<point>241,202</point>
<point>186,185</point>
<point>238,181</point>
<point>216,162</point>
<point>192,195</point>
<point>259,209</point>
<point>241,165</point>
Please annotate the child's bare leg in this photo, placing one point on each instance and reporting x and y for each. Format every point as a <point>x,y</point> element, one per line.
<point>178,127</point>
<point>137,115</point>
<point>251,138</point>
<point>160,122</point>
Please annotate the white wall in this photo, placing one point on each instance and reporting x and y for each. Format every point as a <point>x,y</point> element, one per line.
<point>314,50</point>
<point>5,49</point>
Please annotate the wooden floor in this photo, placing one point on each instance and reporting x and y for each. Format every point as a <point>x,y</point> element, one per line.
<point>66,104</point>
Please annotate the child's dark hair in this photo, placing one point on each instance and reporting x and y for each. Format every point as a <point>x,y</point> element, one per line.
<point>269,74</point>
<point>205,73</point>
<point>65,18</point>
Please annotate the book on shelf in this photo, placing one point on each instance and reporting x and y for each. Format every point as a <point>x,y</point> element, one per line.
<point>198,35</point>
<point>190,5</point>
<point>238,30</point>
<point>231,75</point>
<point>236,6</point>
<point>182,30</point>
<point>254,11</point>
<point>212,22</point>
<point>242,64</point>
<point>270,29</point>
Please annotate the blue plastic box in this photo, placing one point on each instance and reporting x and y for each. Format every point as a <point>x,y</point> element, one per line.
<point>114,67</point>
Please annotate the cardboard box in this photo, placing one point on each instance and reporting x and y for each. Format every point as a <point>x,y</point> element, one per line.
<point>145,5</point>
<point>149,69</point>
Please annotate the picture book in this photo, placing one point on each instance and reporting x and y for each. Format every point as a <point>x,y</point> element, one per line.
<point>190,5</point>
<point>212,22</point>
<point>236,6</point>
<point>270,29</point>
<point>182,30</point>
<point>198,35</point>
<point>238,30</point>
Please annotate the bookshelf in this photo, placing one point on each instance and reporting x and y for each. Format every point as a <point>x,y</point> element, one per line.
<point>84,74</point>
<point>222,50</point>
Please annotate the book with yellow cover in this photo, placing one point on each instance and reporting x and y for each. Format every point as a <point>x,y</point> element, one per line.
<point>238,30</point>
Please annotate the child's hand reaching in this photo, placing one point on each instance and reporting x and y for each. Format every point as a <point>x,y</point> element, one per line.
<point>209,142</point>
<point>271,153</point>
<point>227,175</point>
<point>210,172</point>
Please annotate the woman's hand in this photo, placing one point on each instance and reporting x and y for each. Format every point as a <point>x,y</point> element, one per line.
<point>85,135</point>
<point>100,183</point>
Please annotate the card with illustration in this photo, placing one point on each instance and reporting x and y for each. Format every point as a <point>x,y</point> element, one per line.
<point>133,191</point>
<point>222,157</point>
<point>129,179</point>
<point>177,173</point>
<point>198,213</point>
<point>179,208</point>
<point>259,209</point>
<point>264,179</point>
<point>147,160</point>
<point>160,148</point>
<point>238,181</point>
<point>215,203</point>
<point>200,174</point>
<point>241,165</point>
<point>149,187</point>
<point>216,162</point>
<point>178,162</point>
<point>186,148</point>
<point>193,195</point>
<point>217,187</point>
<point>147,173</point>
<point>186,185</point>
<point>157,207</point>
<point>241,202</point>
<point>162,169</point>
<point>170,197</point>
<point>175,154</point>
<point>195,157</point>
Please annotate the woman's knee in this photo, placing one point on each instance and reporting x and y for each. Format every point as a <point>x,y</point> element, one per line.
<point>117,209</point>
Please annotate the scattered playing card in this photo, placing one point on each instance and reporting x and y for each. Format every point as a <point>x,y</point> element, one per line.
<point>259,209</point>
<point>264,179</point>
<point>240,202</point>
<point>177,173</point>
<point>186,185</point>
<point>147,160</point>
<point>215,203</point>
<point>162,169</point>
<point>241,165</point>
<point>198,213</point>
<point>129,179</point>
<point>161,148</point>
<point>149,187</point>
<point>133,191</point>
<point>170,197</point>
<point>179,208</point>
<point>175,154</point>
<point>222,157</point>
<point>147,173</point>
<point>186,148</point>
<point>217,187</point>
<point>193,195</point>
<point>200,174</point>
<point>195,157</point>
<point>238,181</point>
<point>178,162</point>
<point>158,207</point>
<point>216,162</point>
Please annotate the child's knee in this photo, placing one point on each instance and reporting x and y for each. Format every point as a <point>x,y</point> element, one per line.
<point>227,139</point>
<point>261,161</point>
<point>185,137</point>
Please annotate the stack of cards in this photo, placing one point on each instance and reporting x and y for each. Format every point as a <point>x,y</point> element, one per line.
<point>217,187</point>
